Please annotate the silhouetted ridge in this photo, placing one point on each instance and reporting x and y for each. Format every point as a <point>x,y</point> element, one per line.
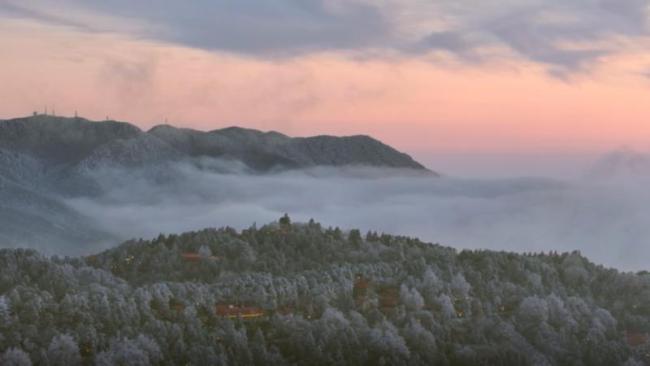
<point>69,141</point>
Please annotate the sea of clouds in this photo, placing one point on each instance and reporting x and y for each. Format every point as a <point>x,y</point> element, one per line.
<point>606,219</point>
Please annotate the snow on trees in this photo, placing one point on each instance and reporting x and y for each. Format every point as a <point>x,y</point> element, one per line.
<point>63,350</point>
<point>15,357</point>
<point>324,298</point>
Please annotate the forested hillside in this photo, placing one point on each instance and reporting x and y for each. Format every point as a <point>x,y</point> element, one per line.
<point>301,294</point>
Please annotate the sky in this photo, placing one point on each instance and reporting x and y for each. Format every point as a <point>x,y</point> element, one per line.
<point>465,86</point>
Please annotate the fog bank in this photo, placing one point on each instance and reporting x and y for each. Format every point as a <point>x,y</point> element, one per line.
<point>605,220</point>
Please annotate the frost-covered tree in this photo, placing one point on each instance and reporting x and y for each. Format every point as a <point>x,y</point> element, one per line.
<point>15,357</point>
<point>459,286</point>
<point>63,350</point>
<point>125,352</point>
<point>150,347</point>
<point>532,311</point>
<point>431,284</point>
<point>411,298</point>
<point>205,251</point>
<point>5,311</point>
<point>446,306</point>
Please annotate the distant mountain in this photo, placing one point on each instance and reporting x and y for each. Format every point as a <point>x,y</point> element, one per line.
<point>268,150</point>
<point>621,164</point>
<point>65,142</point>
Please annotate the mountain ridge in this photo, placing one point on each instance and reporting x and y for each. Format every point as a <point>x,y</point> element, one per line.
<point>70,141</point>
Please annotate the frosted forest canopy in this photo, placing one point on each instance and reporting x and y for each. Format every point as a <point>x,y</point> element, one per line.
<point>290,293</point>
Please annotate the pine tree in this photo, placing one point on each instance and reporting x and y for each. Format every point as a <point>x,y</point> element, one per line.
<point>285,221</point>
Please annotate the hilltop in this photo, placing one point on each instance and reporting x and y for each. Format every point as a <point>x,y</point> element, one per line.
<point>290,293</point>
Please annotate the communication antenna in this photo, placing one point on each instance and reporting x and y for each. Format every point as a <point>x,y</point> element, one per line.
<point>45,110</point>
<point>53,110</point>
<point>75,114</point>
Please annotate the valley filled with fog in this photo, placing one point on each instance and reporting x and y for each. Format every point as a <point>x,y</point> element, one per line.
<point>70,186</point>
<point>603,217</point>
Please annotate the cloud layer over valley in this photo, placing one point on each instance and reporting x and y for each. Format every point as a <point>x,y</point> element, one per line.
<point>113,182</point>
<point>604,219</point>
